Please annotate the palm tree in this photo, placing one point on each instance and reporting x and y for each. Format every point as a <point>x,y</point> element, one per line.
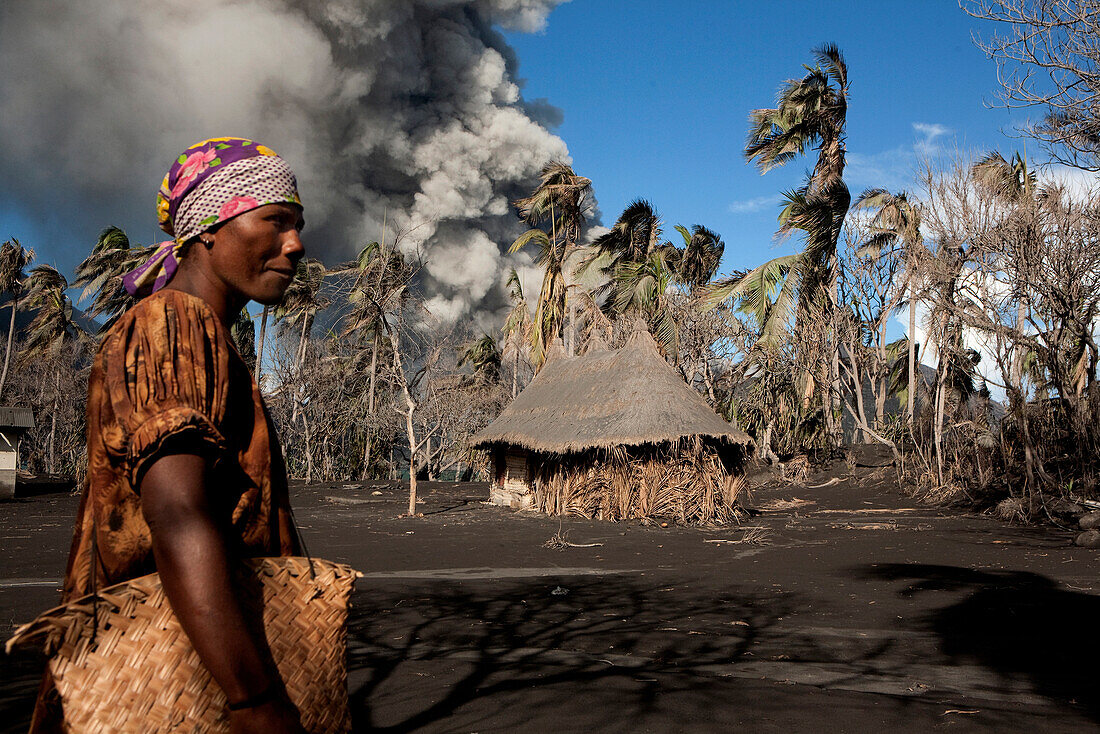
<point>810,111</point>
<point>379,272</point>
<point>700,258</point>
<point>639,269</point>
<point>517,326</point>
<point>1014,184</point>
<point>378,289</point>
<point>635,234</point>
<point>302,301</point>
<point>1011,180</point>
<point>50,333</point>
<point>640,288</point>
<point>560,200</point>
<point>100,275</point>
<point>485,358</point>
<point>896,223</point>
<point>14,258</point>
<point>300,304</point>
<point>768,293</point>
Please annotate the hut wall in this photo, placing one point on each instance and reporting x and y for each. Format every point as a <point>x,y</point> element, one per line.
<point>696,483</point>
<point>9,457</point>
<point>512,485</point>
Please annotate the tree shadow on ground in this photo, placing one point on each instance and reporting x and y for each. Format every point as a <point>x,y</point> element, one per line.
<point>1020,625</point>
<point>492,639</point>
<point>20,675</point>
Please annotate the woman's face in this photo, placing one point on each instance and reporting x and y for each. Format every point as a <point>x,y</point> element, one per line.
<point>256,253</point>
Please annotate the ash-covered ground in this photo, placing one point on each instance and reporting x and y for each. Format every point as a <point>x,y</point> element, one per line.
<point>841,607</point>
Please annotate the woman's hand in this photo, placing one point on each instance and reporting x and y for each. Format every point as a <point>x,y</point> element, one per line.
<point>193,562</point>
<point>274,717</point>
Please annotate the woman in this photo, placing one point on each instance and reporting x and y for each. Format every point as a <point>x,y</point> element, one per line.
<point>185,474</point>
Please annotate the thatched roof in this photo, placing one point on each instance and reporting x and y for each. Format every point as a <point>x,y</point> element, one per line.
<point>604,398</point>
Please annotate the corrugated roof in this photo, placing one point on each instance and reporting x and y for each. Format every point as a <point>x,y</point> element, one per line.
<point>606,398</point>
<point>12,417</point>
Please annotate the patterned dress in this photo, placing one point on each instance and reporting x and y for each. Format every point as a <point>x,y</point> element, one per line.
<point>167,372</point>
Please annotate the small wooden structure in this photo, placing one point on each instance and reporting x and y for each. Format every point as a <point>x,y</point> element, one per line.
<point>13,423</point>
<point>615,434</point>
<point>511,485</point>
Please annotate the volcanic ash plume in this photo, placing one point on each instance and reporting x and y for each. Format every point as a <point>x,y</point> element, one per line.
<point>403,112</point>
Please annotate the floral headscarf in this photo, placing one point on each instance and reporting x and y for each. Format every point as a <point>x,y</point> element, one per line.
<point>209,183</point>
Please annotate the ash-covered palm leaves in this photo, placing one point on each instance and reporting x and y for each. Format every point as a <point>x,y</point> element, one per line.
<point>641,288</point>
<point>895,224</point>
<point>517,326</point>
<point>810,112</point>
<point>302,301</point>
<point>635,234</point>
<point>484,357</point>
<point>50,337</point>
<point>100,275</point>
<point>14,259</point>
<point>698,262</point>
<point>560,199</point>
<point>559,204</point>
<point>638,269</point>
<point>1011,181</point>
<point>380,275</point>
<point>53,327</point>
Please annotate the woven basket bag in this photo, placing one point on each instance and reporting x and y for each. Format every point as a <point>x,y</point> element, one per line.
<point>122,663</point>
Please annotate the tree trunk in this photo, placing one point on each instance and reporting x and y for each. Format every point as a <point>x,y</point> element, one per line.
<point>373,373</point>
<point>572,326</point>
<point>7,352</point>
<point>410,408</point>
<point>857,388</point>
<point>433,464</point>
<point>909,399</point>
<point>300,359</point>
<point>941,384</point>
<point>309,448</point>
<point>1017,357</point>
<point>884,379</point>
<point>370,407</point>
<point>872,434</point>
<point>303,340</point>
<point>766,443</point>
<point>260,346</point>
<point>515,371</point>
<point>368,442</point>
<point>53,421</point>
<point>709,382</point>
<point>834,402</point>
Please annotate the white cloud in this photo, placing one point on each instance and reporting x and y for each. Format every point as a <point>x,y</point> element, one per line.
<point>893,169</point>
<point>748,206</point>
<point>929,131</point>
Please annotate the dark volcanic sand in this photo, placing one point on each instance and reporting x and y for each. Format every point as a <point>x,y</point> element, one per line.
<point>863,612</point>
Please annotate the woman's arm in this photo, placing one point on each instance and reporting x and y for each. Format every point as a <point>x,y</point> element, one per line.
<point>194,566</point>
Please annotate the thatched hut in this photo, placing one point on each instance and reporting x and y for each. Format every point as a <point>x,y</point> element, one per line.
<point>615,434</point>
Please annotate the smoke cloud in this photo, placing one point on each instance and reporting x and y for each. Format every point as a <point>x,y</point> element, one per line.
<point>398,113</point>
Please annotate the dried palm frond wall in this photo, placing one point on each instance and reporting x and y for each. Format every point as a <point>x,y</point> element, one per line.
<point>694,483</point>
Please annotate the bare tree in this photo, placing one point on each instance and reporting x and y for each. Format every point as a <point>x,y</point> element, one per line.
<point>1047,55</point>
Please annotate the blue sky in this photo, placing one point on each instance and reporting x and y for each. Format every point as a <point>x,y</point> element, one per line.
<point>655,98</point>
<point>656,95</point>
